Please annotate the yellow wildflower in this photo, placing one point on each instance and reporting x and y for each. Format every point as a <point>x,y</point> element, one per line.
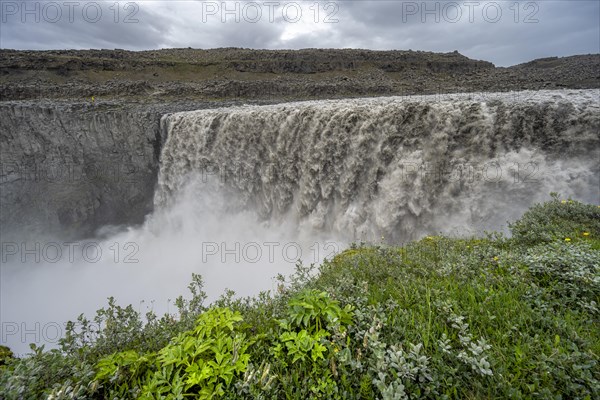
<point>564,202</point>
<point>586,234</point>
<point>567,239</point>
<point>496,258</point>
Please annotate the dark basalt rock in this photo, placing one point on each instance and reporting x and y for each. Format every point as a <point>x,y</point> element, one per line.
<point>273,74</point>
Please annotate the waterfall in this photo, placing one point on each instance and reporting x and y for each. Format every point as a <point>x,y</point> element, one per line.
<point>397,167</point>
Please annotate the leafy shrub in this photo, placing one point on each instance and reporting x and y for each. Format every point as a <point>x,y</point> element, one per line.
<point>306,343</point>
<point>5,355</point>
<point>203,362</point>
<point>314,311</point>
<point>68,372</point>
<point>43,372</point>
<point>569,273</point>
<point>556,220</point>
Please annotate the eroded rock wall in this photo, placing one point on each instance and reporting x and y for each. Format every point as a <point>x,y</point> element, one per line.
<point>71,169</point>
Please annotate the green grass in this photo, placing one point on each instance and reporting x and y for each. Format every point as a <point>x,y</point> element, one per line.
<point>474,318</point>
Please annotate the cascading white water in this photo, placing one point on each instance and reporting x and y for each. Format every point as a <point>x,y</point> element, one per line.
<point>244,192</point>
<point>396,167</point>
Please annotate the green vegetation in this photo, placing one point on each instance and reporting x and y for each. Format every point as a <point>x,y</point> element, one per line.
<point>476,318</point>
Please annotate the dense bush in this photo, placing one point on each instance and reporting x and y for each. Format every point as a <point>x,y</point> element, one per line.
<point>489,317</point>
<point>5,355</point>
<point>557,220</point>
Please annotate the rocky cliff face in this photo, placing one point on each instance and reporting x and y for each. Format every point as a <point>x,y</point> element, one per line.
<point>74,168</point>
<point>71,167</point>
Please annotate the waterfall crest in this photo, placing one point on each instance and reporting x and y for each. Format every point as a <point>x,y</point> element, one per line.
<point>397,167</point>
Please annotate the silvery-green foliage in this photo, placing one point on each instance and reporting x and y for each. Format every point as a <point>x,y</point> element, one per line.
<point>568,273</point>
<point>472,353</point>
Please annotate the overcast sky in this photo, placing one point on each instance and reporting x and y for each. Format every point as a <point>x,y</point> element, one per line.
<point>503,32</point>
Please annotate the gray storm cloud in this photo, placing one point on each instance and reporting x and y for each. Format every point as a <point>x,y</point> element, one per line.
<point>504,32</point>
